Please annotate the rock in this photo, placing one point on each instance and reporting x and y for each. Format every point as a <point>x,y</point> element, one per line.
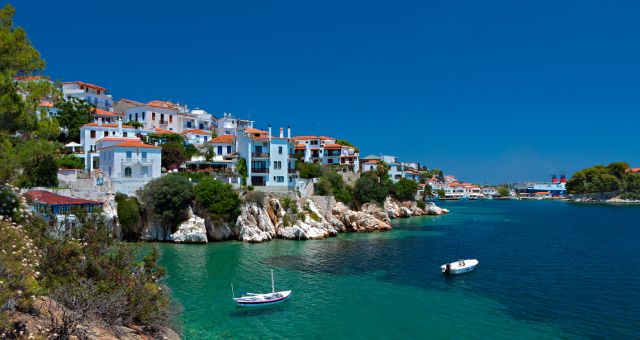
<point>359,221</point>
<point>192,230</point>
<point>254,224</point>
<point>376,211</point>
<point>314,226</point>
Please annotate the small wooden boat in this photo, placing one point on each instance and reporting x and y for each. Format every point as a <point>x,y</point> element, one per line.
<point>257,300</point>
<point>459,267</point>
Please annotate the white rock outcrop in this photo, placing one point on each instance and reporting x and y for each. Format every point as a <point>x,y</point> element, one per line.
<point>254,224</point>
<point>360,221</point>
<point>192,230</point>
<point>397,209</point>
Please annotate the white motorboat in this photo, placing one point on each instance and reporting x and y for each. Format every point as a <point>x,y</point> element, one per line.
<point>459,267</point>
<point>256,300</point>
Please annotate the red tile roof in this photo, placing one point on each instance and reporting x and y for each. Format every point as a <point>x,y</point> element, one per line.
<point>634,169</point>
<point>160,131</point>
<point>51,198</point>
<point>197,132</point>
<point>305,137</point>
<point>136,144</point>
<point>163,104</point>
<point>333,146</point>
<point>301,146</point>
<point>101,112</point>
<point>46,103</point>
<point>224,139</point>
<point>86,85</point>
<point>111,125</point>
<point>252,130</point>
<point>120,138</point>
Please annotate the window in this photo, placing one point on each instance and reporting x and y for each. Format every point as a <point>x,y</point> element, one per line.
<point>136,116</point>
<point>229,149</point>
<point>124,134</point>
<point>206,138</point>
<point>143,112</point>
<point>219,150</point>
<point>106,133</point>
<point>127,172</point>
<point>153,116</point>
<point>170,118</point>
<point>279,150</point>
<point>280,179</point>
<point>162,118</point>
<point>277,164</point>
<point>128,154</point>
<point>330,161</point>
<point>144,155</point>
<point>188,124</point>
<point>92,133</point>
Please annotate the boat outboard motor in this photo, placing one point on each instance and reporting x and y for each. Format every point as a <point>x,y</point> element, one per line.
<point>448,269</point>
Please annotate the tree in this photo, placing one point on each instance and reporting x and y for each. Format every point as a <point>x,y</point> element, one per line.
<point>241,167</point>
<point>173,155</point>
<point>17,58</point>
<point>309,170</point>
<point>169,198</point>
<point>599,178</point>
<point>72,114</point>
<point>406,189</point>
<point>367,190</point>
<point>70,162</point>
<point>382,171</point>
<point>331,183</point>
<point>129,217</point>
<point>219,198</point>
<point>347,143</point>
<point>503,191</point>
<point>427,192</point>
<point>38,159</point>
<point>441,193</point>
<point>618,169</point>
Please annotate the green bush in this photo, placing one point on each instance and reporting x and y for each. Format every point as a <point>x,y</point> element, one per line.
<point>129,217</point>
<point>309,170</point>
<point>421,204</point>
<point>406,189</point>
<point>367,190</point>
<point>286,221</point>
<point>312,213</point>
<point>301,216</point>
<point>70,162</point>
<point>168,198</point>
<point>220,199</point>
<point>9,203</point>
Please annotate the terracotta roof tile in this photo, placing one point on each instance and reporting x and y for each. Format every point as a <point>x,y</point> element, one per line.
<point>197,132</point>
<point>224,139</point>
<point>96,87</point>
<point>47,197</point>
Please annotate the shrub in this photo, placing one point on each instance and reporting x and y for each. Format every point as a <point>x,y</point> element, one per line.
<point>219,198</point>
<point>286,221</point>
<point>38,161</point>
<point>70,162</point>
<point>406,189</point>
<point>301,216</point>
<point>367,190</point>
<point>9,203</point>
<point>312,213</point>
<point>255,196</point>
<point>173,154</point>
<point>129,217</point>
<point>421,204</point>
<point>168,198</point>
<point>309,170</point>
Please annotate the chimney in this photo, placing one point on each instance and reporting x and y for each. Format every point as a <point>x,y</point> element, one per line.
<point>289,131</point>
<point>554,179</point>
<point>281,133</point>
<point>120,126</point>
<point>269,131</point>
<point>99,121</point>
<point>563,179</point>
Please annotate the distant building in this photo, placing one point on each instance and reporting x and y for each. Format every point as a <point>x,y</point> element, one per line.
<point>554,188</point>
<point>94,94</point>
<point>326,151</point>
<point>196,136</point>
<point>230,125</point>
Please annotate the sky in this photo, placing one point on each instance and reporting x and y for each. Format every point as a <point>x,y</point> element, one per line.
<point>489,91</point>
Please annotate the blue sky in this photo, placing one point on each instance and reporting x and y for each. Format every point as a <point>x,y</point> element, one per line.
<point>489,91</point>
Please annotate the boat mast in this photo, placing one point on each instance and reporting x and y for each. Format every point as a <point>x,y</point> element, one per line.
<point>273,286</point>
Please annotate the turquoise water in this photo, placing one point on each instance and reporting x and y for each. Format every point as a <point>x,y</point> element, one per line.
<point>547,270</point>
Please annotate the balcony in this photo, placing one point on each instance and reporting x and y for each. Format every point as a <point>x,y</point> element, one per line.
<point>291,171</point>
<point>260,170</point>
<point>134,161</point>
<point>259,155</point>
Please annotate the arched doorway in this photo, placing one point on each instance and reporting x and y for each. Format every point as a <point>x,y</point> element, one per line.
<point>127,172</point>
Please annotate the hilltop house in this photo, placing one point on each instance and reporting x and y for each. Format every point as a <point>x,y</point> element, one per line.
<point>230,125</point>
<point>196,136</point>
<point>326,151</point>
<point>45,204</point>
<point>94,94</point>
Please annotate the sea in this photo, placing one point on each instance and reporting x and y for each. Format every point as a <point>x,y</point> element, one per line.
<point>548,270</point>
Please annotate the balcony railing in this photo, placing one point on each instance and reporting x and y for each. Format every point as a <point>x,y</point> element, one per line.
<point>137,161</point>
<point>260,170</point>
<point>260,155</point>
<point>291,171</point>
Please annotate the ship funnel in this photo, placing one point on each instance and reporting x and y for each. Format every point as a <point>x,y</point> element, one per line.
<point>563,179</point>
<point>554,179</point>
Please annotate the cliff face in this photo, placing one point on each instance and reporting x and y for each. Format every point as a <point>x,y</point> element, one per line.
<point>303,219</point>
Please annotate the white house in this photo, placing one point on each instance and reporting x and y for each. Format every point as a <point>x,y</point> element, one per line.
<point>91,133</point>
<point>129,163</point>
<point>197,136</point>
<point>269,159</point>
<point>198,119</point>
<point>94,94</point>
<point>325,150</point>
<point>223,146</point>
<point>230,125</point>
<point>157,114</point>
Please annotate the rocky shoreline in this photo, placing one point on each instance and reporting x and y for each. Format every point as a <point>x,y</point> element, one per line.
<point>302,219</point>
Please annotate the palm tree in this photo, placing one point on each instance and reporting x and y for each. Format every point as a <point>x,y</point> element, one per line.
<point>427,192</point>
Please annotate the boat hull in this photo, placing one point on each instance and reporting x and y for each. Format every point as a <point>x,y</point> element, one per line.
<point>248,302</point>
<point>459,267</point>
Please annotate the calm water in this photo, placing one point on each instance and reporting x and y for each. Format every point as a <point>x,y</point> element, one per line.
<point>547,270</point>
